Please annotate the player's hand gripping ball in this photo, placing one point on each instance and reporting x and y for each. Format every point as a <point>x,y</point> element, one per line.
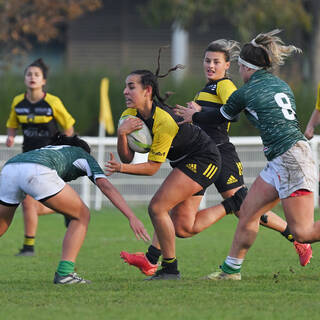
<point>138,140</point>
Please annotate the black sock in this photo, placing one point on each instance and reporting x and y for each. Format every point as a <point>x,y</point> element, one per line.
<point>170,265</point>
<point>28,244</point>
<point>287,234</point>
<point>153,254</point>
<point>28,248</point>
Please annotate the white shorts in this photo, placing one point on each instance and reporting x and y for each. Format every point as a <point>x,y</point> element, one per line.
<point>19,179</point>
<point>292,171</point>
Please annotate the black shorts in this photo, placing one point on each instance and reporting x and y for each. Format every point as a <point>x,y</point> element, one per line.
<point>203,166</point>
<point>231,174</point>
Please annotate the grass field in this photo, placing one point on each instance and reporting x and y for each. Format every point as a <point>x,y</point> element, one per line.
<point>274,286</point>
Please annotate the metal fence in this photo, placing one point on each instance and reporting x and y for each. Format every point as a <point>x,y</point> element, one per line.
<point>138,190</point>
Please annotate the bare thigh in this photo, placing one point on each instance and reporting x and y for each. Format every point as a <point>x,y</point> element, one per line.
<point>261,198</point>
<point>6,216</point>
<point>176,188</point>
<point>30,203</point>
<point>299,212</point>
<point>68,202</point>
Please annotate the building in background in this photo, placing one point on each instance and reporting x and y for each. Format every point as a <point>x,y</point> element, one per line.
<point>115,37</point>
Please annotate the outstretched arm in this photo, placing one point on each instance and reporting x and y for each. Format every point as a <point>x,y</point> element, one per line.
<point>190,114</point>
<point>116,198</point>
<point>145,169</point>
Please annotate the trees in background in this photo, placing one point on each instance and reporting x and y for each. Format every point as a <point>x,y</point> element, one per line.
<point>299,19</point>
<point>24,22</point>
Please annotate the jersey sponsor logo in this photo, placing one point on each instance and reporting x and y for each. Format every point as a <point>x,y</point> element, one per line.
<point>192,167</point>
<point>212,86</point>
<point>161,154</point>
<point>232,180</point>
<point>43,111</point>
<point>22,110</point>
<point>210,171</point>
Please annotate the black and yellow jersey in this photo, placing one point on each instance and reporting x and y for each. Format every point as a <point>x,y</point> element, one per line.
<point>214,95</point>
<point>168,139</point>
<point>39,121</point>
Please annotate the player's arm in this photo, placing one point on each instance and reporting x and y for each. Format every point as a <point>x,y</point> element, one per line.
<point>228,112</point>
<point>11,135</point>
<point>313,122</point>
<point>116,198</point>
<point>61,115</point>
<point>148,168</point>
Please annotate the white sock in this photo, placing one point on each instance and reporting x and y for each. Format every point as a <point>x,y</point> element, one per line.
<point>234,263</point>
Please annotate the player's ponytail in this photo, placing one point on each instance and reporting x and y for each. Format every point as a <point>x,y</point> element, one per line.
<point>148,78</point>
<point>267,51</point>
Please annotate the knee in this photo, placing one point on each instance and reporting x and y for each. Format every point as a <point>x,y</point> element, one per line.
<point>180,233</point>
<point>154,209</point>
<point>182,230</point>
<point>85,215</point>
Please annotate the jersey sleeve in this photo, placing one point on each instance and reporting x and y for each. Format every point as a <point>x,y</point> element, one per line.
<point>164,132</point>
<point>12,121</point>
<point>91,167</point>
<point>318,98</point>
<point>235,104</point>
<point>60,113</point>
<point>224,90</point>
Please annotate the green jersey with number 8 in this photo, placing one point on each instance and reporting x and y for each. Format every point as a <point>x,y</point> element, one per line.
<point>270,105</point>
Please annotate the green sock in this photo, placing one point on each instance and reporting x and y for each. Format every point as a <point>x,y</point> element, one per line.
<point>227,269</point>
<point>65,267</point>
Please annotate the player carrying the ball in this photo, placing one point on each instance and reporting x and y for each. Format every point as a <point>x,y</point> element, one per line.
<point>195,162</point>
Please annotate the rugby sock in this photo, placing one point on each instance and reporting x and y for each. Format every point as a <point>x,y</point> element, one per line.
<point>153,254</point>
<point>65,267</point>
<point>231,265</point>
<point>170,265</point>
<point>28,243</point>
<point>287,234</point>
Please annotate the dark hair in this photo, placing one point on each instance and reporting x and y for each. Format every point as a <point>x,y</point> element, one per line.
<point>61,139</point>
<point>40,64</point>
<point>148,78</point>
<point>255,55</point>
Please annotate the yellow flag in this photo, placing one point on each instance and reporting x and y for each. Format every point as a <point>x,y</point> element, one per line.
<point>105,116</point>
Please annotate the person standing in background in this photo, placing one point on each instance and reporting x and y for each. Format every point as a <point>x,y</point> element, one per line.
<point>39,114</point>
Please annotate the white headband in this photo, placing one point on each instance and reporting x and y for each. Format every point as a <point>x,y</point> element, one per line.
<point>248,64</point>
<point>253,42</point>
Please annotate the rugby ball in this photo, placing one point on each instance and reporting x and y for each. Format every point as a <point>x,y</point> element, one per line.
<point>139,140</point>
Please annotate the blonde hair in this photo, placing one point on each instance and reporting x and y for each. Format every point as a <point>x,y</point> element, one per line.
<point>267,50</point>
<point>230,48</point>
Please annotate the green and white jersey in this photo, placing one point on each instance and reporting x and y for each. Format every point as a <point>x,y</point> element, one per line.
<point>270,105</point>
<point>70,162</point>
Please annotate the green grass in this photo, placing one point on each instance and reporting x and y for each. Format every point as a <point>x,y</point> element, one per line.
<point>274,286</point>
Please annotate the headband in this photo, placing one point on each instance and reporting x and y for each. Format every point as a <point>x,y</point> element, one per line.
<point>248,64</point>
<point>253,42</point>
